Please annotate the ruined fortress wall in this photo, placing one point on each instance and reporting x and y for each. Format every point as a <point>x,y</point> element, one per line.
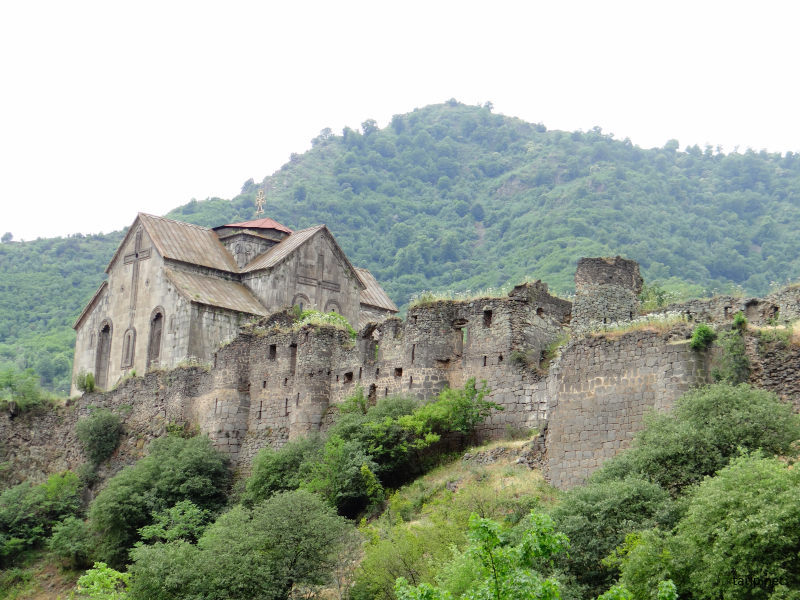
<point>36,444</point>
<point>601,388</point>
<point>606,292</point>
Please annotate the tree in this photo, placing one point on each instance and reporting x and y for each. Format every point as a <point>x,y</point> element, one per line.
<point>7,237</point>
<point>176,469</point>
<point>500,569</point>
<point>290,540</point>
<point>738,539</point>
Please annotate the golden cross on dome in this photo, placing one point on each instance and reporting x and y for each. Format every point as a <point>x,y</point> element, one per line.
<point>260,200</point>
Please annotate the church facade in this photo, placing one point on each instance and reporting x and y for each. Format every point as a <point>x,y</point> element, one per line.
<point>176,291</point>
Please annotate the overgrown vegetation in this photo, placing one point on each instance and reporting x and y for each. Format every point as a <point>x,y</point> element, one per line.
<point>315,317</point>
<point>676,461</point>
<point>99,434</point>
<point>21,390</point>
<point>175,470</point>
<point>29,512</point>
<point>368,448</point>
<point>702,337</point>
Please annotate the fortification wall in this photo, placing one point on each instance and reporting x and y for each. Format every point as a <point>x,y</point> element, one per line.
<point>274,381</point>
<point>601,388</point>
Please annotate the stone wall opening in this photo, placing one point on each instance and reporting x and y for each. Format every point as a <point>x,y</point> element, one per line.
<point>102,356</point>
<point>154,346</point>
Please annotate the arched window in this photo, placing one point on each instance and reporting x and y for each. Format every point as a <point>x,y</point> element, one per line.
<point>333,306</point>
<point>301,301</point>
<point>128,348</point>
<point>103,354</point>
<point>154,345</point>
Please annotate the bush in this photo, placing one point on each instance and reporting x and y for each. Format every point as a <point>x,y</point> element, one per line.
<point>99,434</point>
<point>176,469</point>
<point>738,539</point>
<point>72,541</point>
<point>282,470</point>
<point>22,389</point>
<point>731,365</point>
<point>702,337</point>
<point>289,540</point>
<point>85,381</point>
<point>597,517</point>
<point>705,430</point>
<point>28,512</point>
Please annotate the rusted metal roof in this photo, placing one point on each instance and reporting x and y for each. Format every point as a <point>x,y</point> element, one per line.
<point>215,292</point>
<point>374,294</point>
<point>265,223</point>
<point>90,304</point>
<point>279,252</point>
<point>184,242</point>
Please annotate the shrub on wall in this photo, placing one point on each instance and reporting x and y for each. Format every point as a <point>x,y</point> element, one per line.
<point>99,434</point>
<point>702,337</point>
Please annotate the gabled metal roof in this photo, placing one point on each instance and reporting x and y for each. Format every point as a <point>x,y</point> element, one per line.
<point>183,242</point>
<point>374,294</point>
<point>265,223</point>
<point>279,252</point>
<point>212,291</point>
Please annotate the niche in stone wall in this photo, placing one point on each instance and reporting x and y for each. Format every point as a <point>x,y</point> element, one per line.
<point>292,358</point>
<point>348,377</point>
<point>487,317</point>
<point>398,372</point>
<point>273,351</point>
<point>128,348</point>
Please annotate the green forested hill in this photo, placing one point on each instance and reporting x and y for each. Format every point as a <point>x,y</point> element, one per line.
<point>455,197</point>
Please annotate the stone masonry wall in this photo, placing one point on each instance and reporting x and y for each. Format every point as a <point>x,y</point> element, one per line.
<point>601,389</point>
<point>274,382</point>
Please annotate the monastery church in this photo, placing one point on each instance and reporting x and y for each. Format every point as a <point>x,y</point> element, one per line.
<point>176,291</point>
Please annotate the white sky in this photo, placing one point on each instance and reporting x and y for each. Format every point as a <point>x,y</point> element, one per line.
<point>109,108</point>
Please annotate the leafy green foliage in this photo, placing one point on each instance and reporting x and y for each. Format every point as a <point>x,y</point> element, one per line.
<point>103,583</point>
<point>175,469</point>
<point>290,539</point>
<point>731,364</point>
<point>703,433</point>
<point>72,541</point>
<point>21,388</point>
<point>702,337</point>
<point>281,470</point>
<point>99,434</point>
<point>85,381</point>
<point>28,512</point>
<point>738,539</point>
<point>57,276</point>
<point>367,448</point>
<point>597,517</point>
<point>183,521</point>
<point>344,476</point>
<point>501,569</point>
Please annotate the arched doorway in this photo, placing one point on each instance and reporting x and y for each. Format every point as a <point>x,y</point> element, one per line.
<point>154,345</point>
<point>102,355</point>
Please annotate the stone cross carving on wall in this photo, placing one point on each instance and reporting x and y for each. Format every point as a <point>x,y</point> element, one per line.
<point>139,254</point>
<point>319,282</point>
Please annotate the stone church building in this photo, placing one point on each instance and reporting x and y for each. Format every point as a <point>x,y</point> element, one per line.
<point>176,291</point>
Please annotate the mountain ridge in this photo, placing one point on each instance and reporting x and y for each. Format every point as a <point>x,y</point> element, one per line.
<point>454,197</point>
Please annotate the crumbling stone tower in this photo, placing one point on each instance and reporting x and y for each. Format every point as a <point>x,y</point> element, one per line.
<point>606,292</point>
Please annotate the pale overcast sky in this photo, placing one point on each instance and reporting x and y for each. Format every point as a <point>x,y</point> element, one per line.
<point>109,108</point>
